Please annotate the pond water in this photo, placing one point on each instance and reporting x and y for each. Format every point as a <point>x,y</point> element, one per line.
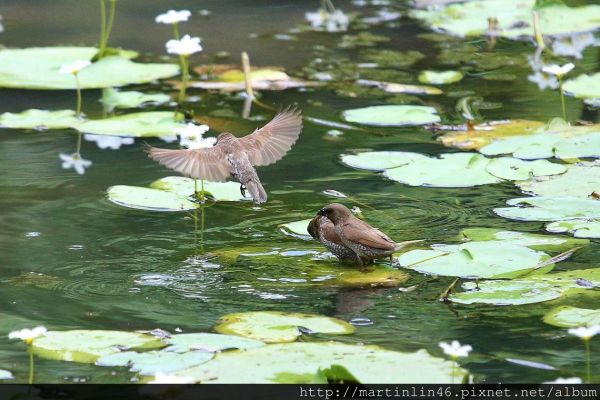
<point>70,259</point>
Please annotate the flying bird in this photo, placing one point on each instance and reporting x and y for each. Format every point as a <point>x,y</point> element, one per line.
<point>235,158</point>
<point>365,242</point>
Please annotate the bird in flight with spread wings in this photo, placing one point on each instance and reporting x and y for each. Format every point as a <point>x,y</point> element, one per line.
<point>235,158</point>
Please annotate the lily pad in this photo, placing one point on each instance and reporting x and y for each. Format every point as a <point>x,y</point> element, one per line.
<point>470,18</point>
<point>584,86</point>
<point>381,160</point>
<point>391,87</point>
<point>449,170</point>
<point>390,58</point>
<point>373,276</point>
<point>40,119</point>
<point>491,259</point>
<point>440,77</point>
<point>549,209</point>
<point>141,124</point>
<point>580,180</point>
<point>531,240</point>
<point>4,374</point>
<point>182,186</point>
<point>297,229</point>
<point>580,228</point>
<point>528,290</point>
<point>148,199</point>
<point>209,342</point>
<point>570,317</point>
<point>38,68</point>
<point>152,362</point>
<point>514,169</point>
<point>392,115</point>
<point>277,327</point>
<point>87,346</point>
<point>112,98</point>
<point>299,362</point>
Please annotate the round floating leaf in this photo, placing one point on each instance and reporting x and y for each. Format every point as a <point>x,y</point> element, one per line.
<point>87,346</point>
<point>40,119</point>
<point>580,180</point>
<point>392,115</point>
<point>299,362</point>
<point>528,290</point>
<point>381,160</point>
<point>584,86</point>
<point>276,327</point>
<point>142,124</point>
<point>297,229</point>
<point>440,77</point>
<point>112,98</point>
<point>514,169</point>
<point>477,260</point>
<point>549,209</point>
<point>580,228</point>
<point>219,191</point>
<point>450,170</point>
<point>148,199</point>
<point>531,240</point>
<point>4,374</point>
<point>391,87</point>
<point>38,68</point>
<point>209,342</point>
<point>482,134</point>
<point>470,18</point>
<point>373,276</point>
<point>151,362</point>
<point>569,317</point>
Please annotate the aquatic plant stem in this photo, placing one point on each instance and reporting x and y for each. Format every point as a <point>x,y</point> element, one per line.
<point>78,87</point>
<point>562,98</point>
<point>30,351</point>
<point>176,31</point>
<point>588,360</point>
<point>102,27</point>
<point>185,77</point>
<point>111,20</point>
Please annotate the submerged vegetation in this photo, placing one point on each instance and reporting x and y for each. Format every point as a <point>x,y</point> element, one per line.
<point>480,137</point>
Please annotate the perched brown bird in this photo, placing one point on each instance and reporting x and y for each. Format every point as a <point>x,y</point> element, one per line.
<point>367,243</point>
<point>236,157</point>
<point>322,229</point>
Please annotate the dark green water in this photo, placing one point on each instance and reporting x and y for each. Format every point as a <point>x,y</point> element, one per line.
<point>107,267</point>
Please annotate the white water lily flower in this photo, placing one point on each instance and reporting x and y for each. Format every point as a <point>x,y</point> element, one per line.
<point>186,46</point>
<point>109,142</point>
<point>173,17</point>
<point>160,377</point>
<point>322,20</point>
<point>565,381</point>
<point>74,161</point>
<point>27,335</point>
<point>455,349</point>
<point>74,67</point>
<point>573,45</point>
<point>543,80</point>
<point>191,136</point>
<point>168,138</point>
<point>586,333</point>
<point>558,70</point>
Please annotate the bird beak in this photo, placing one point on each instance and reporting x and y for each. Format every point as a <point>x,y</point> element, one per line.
<point>322,212</point>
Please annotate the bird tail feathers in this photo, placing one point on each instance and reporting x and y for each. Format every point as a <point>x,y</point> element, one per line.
<point>257,191</point>
<point>406,243</point>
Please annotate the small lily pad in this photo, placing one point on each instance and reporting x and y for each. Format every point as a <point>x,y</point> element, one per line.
<point>149,199</point>
<point>580,180</point>
<point>277,327</point>
<point>112,98</point>
<point>209,342</point>
<point>297,229</point>
<point>219,191</point>
<point>514,169</point>
<point>87,346</point>
<point>580,228</point>
<point>491,259</point>
<point>4,374</point>
<point>570,317</point>
<point>440,77</point>
<point>381,160</point>
<point>391,87</point>
<point>141,124</point>
<point>549,209</point>
<point>152,362</point>
<point>392,115</point>
<point>531,240</point>
<point>584,86</point>
<point>40,119</point>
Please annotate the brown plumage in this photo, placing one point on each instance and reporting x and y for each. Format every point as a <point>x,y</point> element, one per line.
<point>236,158</point>
<point>322,229</point>
<point>367,243</point>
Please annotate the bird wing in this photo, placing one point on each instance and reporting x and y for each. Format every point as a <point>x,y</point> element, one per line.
<point>269,144</point>
<point>359,231</point>
<point>210,164</point>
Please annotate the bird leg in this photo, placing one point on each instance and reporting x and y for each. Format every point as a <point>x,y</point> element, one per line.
<point>243,190</point>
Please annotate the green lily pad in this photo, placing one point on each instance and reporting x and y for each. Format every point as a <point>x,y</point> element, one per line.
<point>584,86</point>
<point>38,68</point>
<point>390,58</point>
<point>373,276</point>
<point>148,199</point>
<point>4,374</point>
<point>112,98</point>
<point>87,346</point>
<point>580,228</point>
<point>549,209</point>
<point>277,327</point>
<point>40,119</point>
<point>219,191</point>
<point>531,240</point>
<point>391,87</point>
<point>440,77</point>
<point>151,362</point>
<point>141,124</point>
<point>299,362</point>
<point>491,259</point>
<point>362,39</point>
<point>392,115</point>
<point>209,342</point>
<point>570,317</point>
<point>449,170</point>
<point>470,18</point>
<point>514,169</point>
<point>580,180</point>
<point>381,160</point>
<point>528,290</point>
<point>297,228</point>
